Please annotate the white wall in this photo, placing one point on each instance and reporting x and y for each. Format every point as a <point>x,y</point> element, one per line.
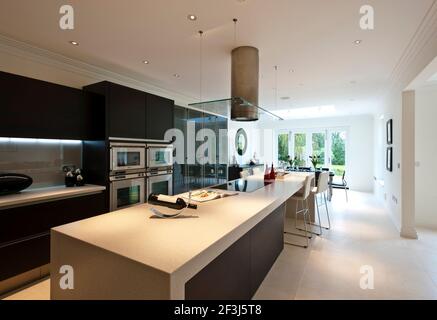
<point>390,192</point>
<point>253,143</point>
<point>426,157</point>
<point>359,148</point>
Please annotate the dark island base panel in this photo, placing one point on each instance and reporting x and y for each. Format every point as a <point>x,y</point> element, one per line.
<point>238,272</point>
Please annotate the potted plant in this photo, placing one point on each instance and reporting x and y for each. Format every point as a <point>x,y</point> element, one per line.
<point>315,160</point>
<point>293,162</point>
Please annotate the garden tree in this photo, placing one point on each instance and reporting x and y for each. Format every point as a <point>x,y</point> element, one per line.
<point>283,147</point>
<point>338,149</point>
<point>299,148</point>
<point>319,146</point>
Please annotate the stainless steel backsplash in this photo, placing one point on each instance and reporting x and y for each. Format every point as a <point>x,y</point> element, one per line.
<point>39,159</point>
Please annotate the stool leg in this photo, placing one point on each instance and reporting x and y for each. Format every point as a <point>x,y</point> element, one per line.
<point>311,224</point>
<point>327,212</point>
<point>318,214</point>
<point>305,212</point>
<point>306,229</point>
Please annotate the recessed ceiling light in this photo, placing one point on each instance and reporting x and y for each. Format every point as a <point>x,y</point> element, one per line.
<point>74,43</point>
<point>146,61</point>
<point>192,17</point>
<point>357,42</point>
<point>176,75</point>
<point>291,70</point>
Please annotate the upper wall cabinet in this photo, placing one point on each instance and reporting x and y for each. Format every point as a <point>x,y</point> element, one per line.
<point>159,116</point>
<point>126,113</point>
<point>132,113</point>
<point>37,109</point>
<point>124,110</point>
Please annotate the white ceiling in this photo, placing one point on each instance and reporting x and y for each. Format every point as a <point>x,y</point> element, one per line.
<point>314,38</point>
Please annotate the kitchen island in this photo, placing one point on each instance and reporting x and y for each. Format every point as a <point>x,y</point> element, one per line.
<point>222,250</point>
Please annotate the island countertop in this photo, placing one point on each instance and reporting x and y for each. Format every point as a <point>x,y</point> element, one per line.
<point>181,247</point>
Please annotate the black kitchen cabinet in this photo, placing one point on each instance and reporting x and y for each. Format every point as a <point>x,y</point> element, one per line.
<point>131,113</point>
<point>33,108</point>
<point>124,110</point>
<point>126,113</point>
<point>25,231</point>
<point>159,117</point>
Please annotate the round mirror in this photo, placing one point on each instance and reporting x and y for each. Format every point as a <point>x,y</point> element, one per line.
<point>241,142</point>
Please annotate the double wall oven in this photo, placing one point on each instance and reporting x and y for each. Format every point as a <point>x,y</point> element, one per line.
<point>159,169</point>
<point>137,170</point>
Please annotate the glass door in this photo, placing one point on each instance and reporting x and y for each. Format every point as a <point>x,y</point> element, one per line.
<point>283,148</point>
<point>300,151</point>
<point>318,147</point>
<point>337,157</point>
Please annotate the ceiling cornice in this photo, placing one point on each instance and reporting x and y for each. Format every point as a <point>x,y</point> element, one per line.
<point>46,57</point>
<point>411,61</point>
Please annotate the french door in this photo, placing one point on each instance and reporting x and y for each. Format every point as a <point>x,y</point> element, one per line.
<point>328,144</point>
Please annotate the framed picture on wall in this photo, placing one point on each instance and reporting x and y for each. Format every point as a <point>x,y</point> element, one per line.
<point>389,159</point>
<point>390,131</point>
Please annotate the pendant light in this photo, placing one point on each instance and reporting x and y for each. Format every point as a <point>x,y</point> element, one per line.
<point>244,81</point>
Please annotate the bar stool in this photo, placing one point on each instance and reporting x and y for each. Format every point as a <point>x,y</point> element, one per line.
<point>321,189</point>
<point>302,196</point>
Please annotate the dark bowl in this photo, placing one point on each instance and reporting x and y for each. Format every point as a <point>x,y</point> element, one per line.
<point>14,182</point>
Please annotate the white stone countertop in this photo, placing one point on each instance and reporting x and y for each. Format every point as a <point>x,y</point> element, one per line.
<point>38,195</point>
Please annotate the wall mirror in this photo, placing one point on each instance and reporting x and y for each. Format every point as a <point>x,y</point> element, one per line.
<point>241,141</point>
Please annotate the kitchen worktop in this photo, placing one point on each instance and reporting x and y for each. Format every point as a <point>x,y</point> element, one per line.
<point>38,195</point>
<point>177,247</point>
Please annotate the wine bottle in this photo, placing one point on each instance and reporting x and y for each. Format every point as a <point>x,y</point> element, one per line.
<point>170,202</point>
<point>267,173</point>
<point>272,173</point>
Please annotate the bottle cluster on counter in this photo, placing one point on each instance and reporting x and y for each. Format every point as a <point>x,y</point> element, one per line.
<point>269,174</point>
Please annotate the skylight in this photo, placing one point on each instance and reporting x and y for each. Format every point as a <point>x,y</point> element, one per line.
<point>309,112</point>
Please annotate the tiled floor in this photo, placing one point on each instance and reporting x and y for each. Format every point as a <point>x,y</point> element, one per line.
<point>362,235</point>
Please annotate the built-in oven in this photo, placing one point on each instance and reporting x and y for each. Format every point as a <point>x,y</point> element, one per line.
<point>127,190</point>
<point>159,156</point>
<point>127,156</point>
<point>159,182</point>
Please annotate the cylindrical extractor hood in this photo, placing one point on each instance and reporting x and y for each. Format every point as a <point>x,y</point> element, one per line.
<point>245,72</point>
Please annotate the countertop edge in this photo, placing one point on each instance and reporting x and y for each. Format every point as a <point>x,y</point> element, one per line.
<point>46,195</point>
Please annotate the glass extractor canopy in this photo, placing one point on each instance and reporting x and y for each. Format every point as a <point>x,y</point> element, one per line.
<point>223,107</point>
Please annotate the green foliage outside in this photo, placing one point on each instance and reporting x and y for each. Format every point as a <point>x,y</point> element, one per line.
<point>319,146</point>
<point>299,148</point>
<point>338,149</point>
<point>283,151</point>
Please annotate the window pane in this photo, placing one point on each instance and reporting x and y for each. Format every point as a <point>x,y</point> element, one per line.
<point>299,148</point>
<point>283,147</point>
<point>319,146</point>
<point>338,152</point>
